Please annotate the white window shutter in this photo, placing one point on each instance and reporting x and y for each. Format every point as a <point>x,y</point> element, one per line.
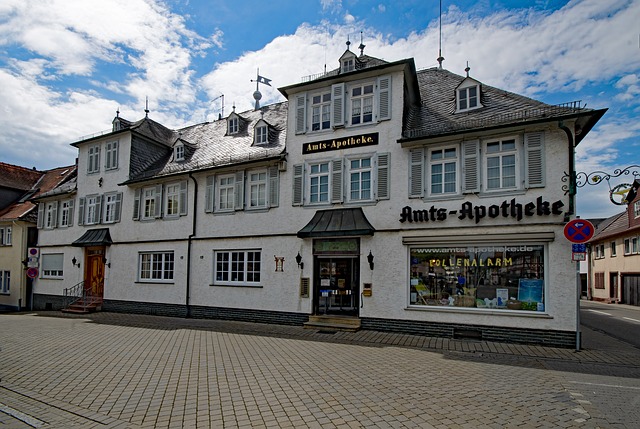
<point>239,191</point>
<point>301,113</point>
<point>209,194</point>
<point>136,205</point>
<point>416,174</point>
<point>41,208</point>
<point>81,211</point>
<point>70,213</point>
<point>337,104</point>
<point>383,176</point>
<point>274,185</point>
<point>298,183</point>
<point>118,207</point>
<point>534,160</point>
<point>336,181</point>
<point>471,166</point>
<point>158,204</point>
<point>183,198</point>
<point>384,98</point>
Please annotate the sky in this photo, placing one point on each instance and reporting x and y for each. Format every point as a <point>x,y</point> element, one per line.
<point>67,66</point>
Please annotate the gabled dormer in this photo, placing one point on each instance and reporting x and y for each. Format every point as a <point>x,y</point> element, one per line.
<point>178,152</point>
<point>348,62</point>
<point>261,133</point>
<point>468,95</point>
<point>234,122</point>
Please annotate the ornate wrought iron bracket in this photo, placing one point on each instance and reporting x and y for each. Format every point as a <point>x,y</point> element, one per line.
<point>582,179</point>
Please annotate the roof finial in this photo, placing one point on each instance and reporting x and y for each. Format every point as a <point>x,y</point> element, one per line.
<point>440,57</point>
<point>348,42</point>
<point>467,69</point>
<point>118,112</point>
<point>146,107</point>
<point>362,45</point>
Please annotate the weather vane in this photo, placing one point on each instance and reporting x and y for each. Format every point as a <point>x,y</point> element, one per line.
<point>257,95</point>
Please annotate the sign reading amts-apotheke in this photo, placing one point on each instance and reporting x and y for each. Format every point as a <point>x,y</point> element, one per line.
<point>343,143</point>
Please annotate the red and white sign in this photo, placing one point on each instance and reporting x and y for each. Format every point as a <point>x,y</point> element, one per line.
<point>32,273</point>
<point>579,231</point>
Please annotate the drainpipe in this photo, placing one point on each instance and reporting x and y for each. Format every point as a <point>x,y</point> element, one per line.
<point>193,233</point>
<point>572,195</point>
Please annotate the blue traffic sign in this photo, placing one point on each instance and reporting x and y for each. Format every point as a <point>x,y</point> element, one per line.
<point>579,231</point>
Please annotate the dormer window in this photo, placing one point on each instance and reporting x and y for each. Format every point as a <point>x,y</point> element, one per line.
<point>261,134</point>
<point>468,95</point>
<point>348,65</point>
<point>178,152</point>
<point>232,125</point>
<point>116,125</point>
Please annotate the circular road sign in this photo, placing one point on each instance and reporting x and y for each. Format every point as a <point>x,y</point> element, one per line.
<point>32,273</point>
<point>579,231</point>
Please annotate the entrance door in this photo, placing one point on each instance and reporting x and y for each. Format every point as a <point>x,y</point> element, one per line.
<point>613,285</point>
<point>336,286</point>
<point>94,271</point>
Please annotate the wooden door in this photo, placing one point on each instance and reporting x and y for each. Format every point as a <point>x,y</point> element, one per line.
<point>94,271</point>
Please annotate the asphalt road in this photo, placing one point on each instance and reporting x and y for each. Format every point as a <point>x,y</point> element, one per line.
<point>619,321</point>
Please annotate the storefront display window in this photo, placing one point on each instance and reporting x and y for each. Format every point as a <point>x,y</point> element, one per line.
<point>492,276</point>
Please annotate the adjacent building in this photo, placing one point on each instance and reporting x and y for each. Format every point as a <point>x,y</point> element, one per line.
<point>18,232</point>
<point>409,200</point>
<point>614,256</point>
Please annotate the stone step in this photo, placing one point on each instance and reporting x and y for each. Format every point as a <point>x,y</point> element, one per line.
<point>336,323</point>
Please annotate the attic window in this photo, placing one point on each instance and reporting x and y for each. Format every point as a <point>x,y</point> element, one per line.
<point>232,125</point>
<point>261,134</point>
<point>468,98</point>
<point>348,65</point>
<point>116,125</point>
<point>178,153</point>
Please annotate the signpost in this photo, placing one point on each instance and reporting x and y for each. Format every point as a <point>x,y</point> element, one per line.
<point>579,231</point>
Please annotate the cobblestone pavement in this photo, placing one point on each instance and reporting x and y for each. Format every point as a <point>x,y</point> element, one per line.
<point>112,370</point>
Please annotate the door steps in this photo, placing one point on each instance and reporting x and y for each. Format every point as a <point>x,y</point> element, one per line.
<point>83,307</point>
<point>333,323</point>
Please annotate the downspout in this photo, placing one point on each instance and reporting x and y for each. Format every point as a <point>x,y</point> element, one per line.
<point>572,195</point>
<point>193,233</point>
<point>572,168</point>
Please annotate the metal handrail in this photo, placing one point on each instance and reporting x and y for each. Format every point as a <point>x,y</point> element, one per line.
<point>74,293</point>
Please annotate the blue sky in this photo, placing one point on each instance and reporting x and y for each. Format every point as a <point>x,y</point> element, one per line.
<point>66,66</point>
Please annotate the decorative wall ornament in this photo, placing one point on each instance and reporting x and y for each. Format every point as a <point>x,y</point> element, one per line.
<point>279,263</point>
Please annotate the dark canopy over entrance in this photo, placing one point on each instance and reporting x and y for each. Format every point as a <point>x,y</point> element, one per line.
<point>337,223</point>
<point>94,237</point>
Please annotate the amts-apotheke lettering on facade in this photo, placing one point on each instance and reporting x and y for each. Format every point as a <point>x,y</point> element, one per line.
<point>337,144</point>
<point>469,211</point>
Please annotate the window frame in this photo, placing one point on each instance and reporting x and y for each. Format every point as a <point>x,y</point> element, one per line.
<point>636,209</point>
<point>311,183</point>
<point>501,154</point>
<point>320,107</point>
<point>57,272</point>
<point>227,190</point>
<point>50,215</point>
<point>6,236</point>
<point>93,159</point>
<point>112,206</point>
<point>92,210</point>
<point>224,268</point>
<point>233,125</point>
<point>111,153</point>
<point>635,246</point>
<point>66,214</point>
<point>627,246</point>
<point>5,282</point>
<point>444,161</point>
<point>613,250</point>
<point>466,90</point>
<point>361,98</point>
<point>359,170</point>
<point>166,259</point>
<point>148,201</point>
<point>262,187</point>
<point>261,134</point>
<point>171,203</point>
<point>178,153</point>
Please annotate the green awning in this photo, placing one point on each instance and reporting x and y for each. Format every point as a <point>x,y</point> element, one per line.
<point>94,237</point>
<point>337,223</point>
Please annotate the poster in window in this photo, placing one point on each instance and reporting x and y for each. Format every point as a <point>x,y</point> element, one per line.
<point>530,290</point>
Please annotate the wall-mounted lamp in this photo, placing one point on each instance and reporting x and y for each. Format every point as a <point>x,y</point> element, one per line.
<point>370,260</point>
<point>299,261</point>
<point>104,261</point>
<point>75,262</point>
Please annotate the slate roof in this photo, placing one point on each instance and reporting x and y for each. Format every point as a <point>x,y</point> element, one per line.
<point>436,115</point>
<point>210,147</point>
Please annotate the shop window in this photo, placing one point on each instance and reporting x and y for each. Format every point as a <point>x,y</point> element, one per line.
<point>237,267</point>
<point>493,276</point>
<point>155,267</point>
